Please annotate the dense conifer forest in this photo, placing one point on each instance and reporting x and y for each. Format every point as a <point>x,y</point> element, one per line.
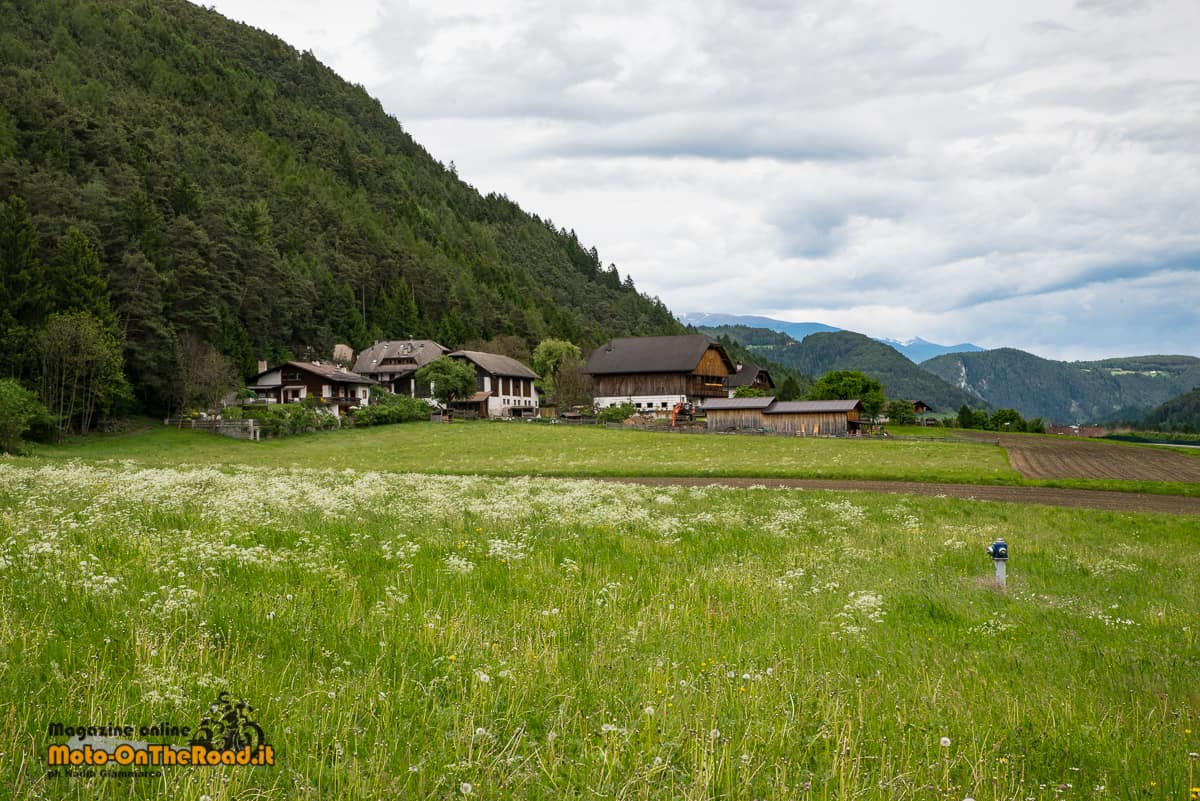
<point>174,184</point>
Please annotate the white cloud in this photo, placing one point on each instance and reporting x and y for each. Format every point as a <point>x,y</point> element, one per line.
<point>954,171</point>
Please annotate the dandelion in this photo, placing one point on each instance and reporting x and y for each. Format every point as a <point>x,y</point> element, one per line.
<point>483,677</point>
<point>944,742</point>
<point>715,734</point>
<point>649,711</point>
<point>465,788</point>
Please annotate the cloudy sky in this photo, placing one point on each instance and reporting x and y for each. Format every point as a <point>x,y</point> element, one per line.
<point>1024,173</point>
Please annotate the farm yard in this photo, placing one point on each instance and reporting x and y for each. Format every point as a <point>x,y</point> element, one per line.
<point>411,635</point>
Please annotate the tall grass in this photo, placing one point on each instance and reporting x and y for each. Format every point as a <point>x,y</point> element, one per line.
<point>406,636</point>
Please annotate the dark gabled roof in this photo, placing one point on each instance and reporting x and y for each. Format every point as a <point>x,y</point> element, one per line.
<point>496,364</point>
<point>813,407</point>
<point>330,372</point>
<point>422,350</point>
<point>724,404</point>
<point>653,355</point>
<point>746,375</point>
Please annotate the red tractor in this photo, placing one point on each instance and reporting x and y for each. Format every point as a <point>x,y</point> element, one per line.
<point>683,412</point>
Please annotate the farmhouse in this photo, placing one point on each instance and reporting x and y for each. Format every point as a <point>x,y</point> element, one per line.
<point>655,373</point>
<point>291,382</point>
<point>503,386</point>
<point>749,375</point>
<point>804,418</point>
<point>394,364</point>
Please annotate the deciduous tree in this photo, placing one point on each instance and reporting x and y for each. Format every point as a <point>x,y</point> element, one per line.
<point>450,379</point>
<point>79,370</point>
<point>850,384</point>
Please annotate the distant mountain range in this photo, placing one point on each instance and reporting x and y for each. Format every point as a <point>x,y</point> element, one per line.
<point>1125,389</point>
<point>824,351</point>
<point>1069,392</point>
<point>915,350</point>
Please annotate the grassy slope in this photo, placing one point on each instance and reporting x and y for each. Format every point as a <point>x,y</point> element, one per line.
<point>636,642</point>
<point>518,449</point>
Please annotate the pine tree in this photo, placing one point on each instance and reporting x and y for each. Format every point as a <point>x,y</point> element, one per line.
<point>22,277</point>
<point>77,278</point>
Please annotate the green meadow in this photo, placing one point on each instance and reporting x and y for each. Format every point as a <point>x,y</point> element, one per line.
<point>420,636</point>
<point>528,449</point>
<point>519,448</point>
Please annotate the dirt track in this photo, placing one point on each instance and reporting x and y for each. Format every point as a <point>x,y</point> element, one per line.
<point>1044,457</point>
<point>1045,496</point>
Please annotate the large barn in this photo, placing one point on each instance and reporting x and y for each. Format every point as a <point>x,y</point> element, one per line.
<point>655,373</point>
<point>827,418</point>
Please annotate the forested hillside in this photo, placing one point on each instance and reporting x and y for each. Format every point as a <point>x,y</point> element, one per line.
<point>1069,392</point>
<point>193,184</point>
<point>1181,413</point>
<point>821,353</point>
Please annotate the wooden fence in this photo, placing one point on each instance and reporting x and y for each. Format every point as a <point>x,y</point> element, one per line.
<point>238,429</point>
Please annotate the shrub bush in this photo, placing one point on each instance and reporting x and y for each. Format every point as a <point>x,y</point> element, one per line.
<point>290,418</point>
<point>19,411</point>
<point>387,408</point>
<point>616,414</point>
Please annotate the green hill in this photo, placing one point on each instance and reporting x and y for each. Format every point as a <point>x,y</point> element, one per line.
<point>238,190</point>
<point>1181,413</point>
<point>1068,392</point>
<point>820,353</point>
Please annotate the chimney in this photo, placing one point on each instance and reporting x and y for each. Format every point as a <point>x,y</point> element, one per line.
<point>262,365</point>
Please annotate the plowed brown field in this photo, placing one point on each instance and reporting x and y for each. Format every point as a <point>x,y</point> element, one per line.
<point>1043,496</point>
<point>1047,457</point>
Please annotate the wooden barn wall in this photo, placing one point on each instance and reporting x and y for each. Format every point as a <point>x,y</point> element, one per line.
<point>725,419</point>
<point>824,424</point>
<point>712,364</point>
<point>693,386</point>
<point>640,384</point>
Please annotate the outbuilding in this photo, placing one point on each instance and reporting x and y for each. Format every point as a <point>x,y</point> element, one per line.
<point>736,414</point>
<point>825,418</point>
